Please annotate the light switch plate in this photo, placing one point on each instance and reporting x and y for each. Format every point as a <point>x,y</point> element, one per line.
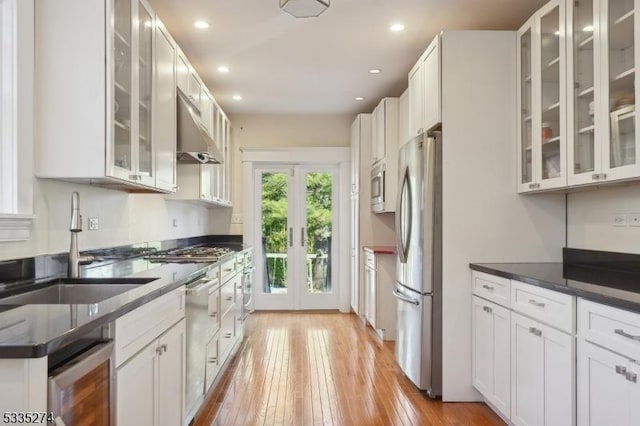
<point>94,224</point>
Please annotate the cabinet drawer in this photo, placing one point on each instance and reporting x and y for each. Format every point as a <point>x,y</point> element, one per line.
<point>615,329</point>
<point>370,259</point>
<point>227,297</point>
<point>214,273</point>
<point>547,306</point>
<point>212,362</point>
<point>227,334</point>
<point>228,268</point>
<point>491,287</point>
<point>141,326</point>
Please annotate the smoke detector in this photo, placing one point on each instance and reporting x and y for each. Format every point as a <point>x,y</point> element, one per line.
<point>304,8</point>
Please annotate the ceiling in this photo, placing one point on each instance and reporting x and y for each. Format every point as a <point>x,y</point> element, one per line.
<point>283,65</point>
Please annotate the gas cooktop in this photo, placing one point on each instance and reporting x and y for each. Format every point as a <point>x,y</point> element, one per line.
<point>190,254</point>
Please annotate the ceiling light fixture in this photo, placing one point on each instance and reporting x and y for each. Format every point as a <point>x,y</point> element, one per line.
<point>374,71</point>
<point>304,8</point>
<point>359,98</point>
<point>396,28</point>
<point>223,69</point>
<point>237,98</point>
<point>588,28</point>
<point>201,25</point>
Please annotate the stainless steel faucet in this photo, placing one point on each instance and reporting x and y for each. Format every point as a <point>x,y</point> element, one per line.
<point>75,260</point>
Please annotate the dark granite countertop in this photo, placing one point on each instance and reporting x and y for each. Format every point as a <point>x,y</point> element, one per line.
<point>613,285</point>
<point>33,331</point>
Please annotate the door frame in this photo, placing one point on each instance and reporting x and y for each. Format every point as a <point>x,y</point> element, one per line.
<point>256,157</point>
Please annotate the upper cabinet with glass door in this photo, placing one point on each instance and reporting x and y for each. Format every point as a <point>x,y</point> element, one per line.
<point>541,100</point>
<point>603,62</point>
<point>86,133</point>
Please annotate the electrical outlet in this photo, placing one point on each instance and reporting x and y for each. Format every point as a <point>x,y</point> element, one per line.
<point>633,219</point>
<point>236,218</point>
<point>94,224</point>
<point>175,223</point>
<point>619,220</point>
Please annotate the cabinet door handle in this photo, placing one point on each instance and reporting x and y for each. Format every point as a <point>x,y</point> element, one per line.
<point>487,309</point>
<point>228,335</point>
<point>488,287</point>
<point>212,360</point>
<point>621,369</point>
<point>159,350</point>
<point>622,333</point>
<point>631,376</point>
<point>163,347</point>
<point>537,304</point>
<point>213,314</point>
<point>229,298</point>
<point>535,331</point>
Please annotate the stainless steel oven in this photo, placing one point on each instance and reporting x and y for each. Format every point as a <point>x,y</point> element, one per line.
<point>81,389</point>
<point>377,187</point>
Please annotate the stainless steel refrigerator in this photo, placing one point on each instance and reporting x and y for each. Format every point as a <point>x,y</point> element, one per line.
<point>418,288</point>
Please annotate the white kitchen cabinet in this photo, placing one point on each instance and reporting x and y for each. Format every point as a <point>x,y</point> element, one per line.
<point>490,369</point>
<point>206,111</point>
<point>384,134</point>
<point>602,44</point>
<point>150,385</point>
<point>107,119</point>
<point>380,311</point>
<point>608,392</point>
<point>542,374</point>
<point>425,90</point>
<point>542,106</point>
<point>403,118</point>
<point>183,71</point>
<point>164,110</point>
<point>354,257</point>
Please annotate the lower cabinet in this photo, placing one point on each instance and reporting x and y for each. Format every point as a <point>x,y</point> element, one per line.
<point>150,385</point>
<point>542,374</point>
<point>380,308</point>
<point>607,387</point>
<point>491,338</point>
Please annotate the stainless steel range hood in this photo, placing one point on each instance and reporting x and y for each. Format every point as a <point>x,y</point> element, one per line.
<point>195,146</point>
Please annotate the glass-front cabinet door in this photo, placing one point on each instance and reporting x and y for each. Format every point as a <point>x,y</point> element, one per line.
<point>542,100</point>
<point>583,74</point>
<point>525,104</point>
<point>551,128</point>
<point>122,90</point>
<point>145,24</point>
<point>131,70</point>
<point>619,29</point>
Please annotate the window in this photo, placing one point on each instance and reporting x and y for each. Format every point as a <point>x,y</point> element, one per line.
<point>16,118</point>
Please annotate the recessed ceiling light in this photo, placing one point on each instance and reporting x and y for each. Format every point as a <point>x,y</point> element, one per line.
<point>588,28</point>
<point>202,25</point>
<point>374,71</point>
<point>223,68</point>
<point>396,27</point>
<point>359,98</point>
<point>237,98</point>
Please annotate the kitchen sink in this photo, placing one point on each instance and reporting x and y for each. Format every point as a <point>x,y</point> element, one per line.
<point>76,291</point>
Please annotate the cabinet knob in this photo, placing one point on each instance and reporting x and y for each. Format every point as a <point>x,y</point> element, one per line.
<point>631,376</point>
<point>535,331</point>
<point>487,309</point>
<point>163,347</point>
<point>621,369</point>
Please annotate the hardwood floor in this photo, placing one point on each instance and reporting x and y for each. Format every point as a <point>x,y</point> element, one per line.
<point>324,369</point>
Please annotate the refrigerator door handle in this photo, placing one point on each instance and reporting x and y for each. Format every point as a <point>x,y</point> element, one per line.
<point>404,298</point>
<point>401,235</point>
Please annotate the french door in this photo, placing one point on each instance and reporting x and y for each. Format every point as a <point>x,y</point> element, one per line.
<point>295,250</point>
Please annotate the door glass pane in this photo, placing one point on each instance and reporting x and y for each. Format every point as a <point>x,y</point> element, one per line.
<point>275,236</point>
<point>621,82</point>
<point>122,82</point>
<point>318,236</point>
<point>145,39</point>
<point>550,55</point>
<point>583,92</point>
<point>526,107</point>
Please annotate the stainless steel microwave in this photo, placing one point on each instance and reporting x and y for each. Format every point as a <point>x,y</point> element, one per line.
<point>377,187</point>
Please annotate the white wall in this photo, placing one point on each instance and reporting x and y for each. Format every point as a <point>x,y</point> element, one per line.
<point>124,219</point>
<point>276,131</point>
<point>590,216</point>
<point>484,220</point>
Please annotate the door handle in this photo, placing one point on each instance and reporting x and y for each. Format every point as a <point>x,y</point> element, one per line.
<point>404,298</point>
<point>302,236</point>
<point>290,237</point>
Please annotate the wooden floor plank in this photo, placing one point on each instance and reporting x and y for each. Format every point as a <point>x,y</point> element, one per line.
<point>324,369</point>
